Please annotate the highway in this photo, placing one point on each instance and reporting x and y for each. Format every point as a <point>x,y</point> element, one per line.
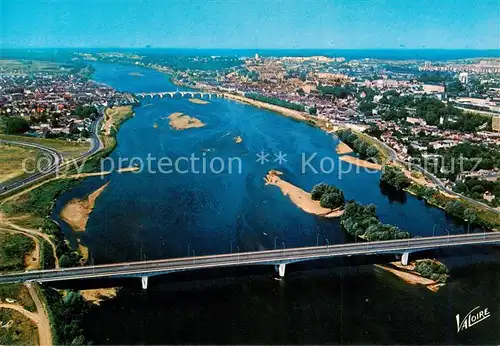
<point>270,257</point>
<point>57,159</point>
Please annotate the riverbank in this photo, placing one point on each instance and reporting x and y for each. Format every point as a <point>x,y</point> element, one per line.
<point>343,149</point>
<point>409,275</point>
<point>361,163</point>
<point>76,213</point>
<point>285,111</point>
<point>299,197</point>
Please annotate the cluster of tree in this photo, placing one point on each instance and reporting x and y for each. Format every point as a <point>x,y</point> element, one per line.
<point>475,188</point>
<point>275,101</point>
<point>395,177</point>
<point>433,270</point>
<point>366,107</point>
<point>458,210</point>
<point>313,110</point>
<point>13,248</point>
<point>364,149</point>
<point>337,91</point>
<point>435,77</point>
<point>425,192</point>
<point>366,94</point>
<point>329,196</point>
<point>39,202</point>
<point>362,221</point>
<point>84,112</point>
<point>454,88</point>
<point>14,125</point>
<point>67,315</point>
<point>374,131</point>
<point>430,109</point>
<point>467,157</point>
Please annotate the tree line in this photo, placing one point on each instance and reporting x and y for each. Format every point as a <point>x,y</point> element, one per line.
<point>362,221</point>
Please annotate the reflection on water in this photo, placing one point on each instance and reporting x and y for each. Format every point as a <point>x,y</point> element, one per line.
<point>171,215</point>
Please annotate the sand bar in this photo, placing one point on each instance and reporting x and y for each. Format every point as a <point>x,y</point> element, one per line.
<point>76,213</point>
<point>343,148</point>
<point>180,121</point>
<point>198,101</point>
<point>361,163</point>
<point>98,295</point>
<point>299,197</point>
<point>238,139</point>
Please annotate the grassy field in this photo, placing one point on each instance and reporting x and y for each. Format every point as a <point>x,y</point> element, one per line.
<point>115,116</point>
<point>21,332</point>
<point>13,248</point>
<point>66,148</point>
<point>18,292</point>
<point>11,161</point>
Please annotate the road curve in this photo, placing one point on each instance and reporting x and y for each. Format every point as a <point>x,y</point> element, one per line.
<point>281,256</point>
<point>57,159</point>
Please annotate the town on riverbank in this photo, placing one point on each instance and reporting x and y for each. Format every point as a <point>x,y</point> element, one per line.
<point>39,243</point>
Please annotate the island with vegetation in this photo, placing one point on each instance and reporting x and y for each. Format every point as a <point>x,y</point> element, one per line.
<point>327,201</point>
<point>362,221</point>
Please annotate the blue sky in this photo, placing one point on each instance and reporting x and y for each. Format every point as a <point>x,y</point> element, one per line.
<point>469,24</point>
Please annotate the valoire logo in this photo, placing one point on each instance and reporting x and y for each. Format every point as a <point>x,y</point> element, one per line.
<point>473,317</point>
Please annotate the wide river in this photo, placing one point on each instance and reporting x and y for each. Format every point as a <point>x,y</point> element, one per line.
<point>160,215</point>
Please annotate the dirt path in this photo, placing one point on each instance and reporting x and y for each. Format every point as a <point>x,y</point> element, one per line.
<point>44,330</point>
<point>6,223</point>
<point>40,318</point>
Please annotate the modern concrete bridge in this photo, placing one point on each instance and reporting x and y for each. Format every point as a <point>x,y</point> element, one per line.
<point>279,258</point>
<point>172,94</point>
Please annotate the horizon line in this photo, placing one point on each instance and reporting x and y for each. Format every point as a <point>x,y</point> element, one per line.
<point>263,49</point>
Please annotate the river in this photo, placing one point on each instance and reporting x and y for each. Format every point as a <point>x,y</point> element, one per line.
<point>184,214</point>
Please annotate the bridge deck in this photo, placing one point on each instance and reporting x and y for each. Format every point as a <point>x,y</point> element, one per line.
<point>276,257</point>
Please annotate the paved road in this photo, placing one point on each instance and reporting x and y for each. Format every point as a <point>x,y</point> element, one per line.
<point>275,257</point>
<point>433,178</point>
<point>57,159</point>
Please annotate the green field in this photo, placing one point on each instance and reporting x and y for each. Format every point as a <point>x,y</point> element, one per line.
<point>11,161</point>
<point>21,330</point>
<point>66,148</point>
<point>13,248</point>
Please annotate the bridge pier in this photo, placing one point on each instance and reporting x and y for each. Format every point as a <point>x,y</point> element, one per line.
<point>280,268</point>
<point>404,258</point>
<point>144,281</point>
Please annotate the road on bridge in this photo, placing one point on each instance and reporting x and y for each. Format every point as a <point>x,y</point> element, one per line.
<point>274,257</point>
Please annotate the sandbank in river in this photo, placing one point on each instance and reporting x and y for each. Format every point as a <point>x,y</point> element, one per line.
<point>299,197</point>
<point>198,101</point>
<point>76,213</point>
<point>343,148</point>
<point>180,121</point>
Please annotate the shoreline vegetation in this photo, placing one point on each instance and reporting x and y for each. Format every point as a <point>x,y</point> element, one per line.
<point>77,211</point>
<point>299,197</point>
<point>198,101</point>
<point>411,275</point>
<point>29,211</point>
<point>180,121</point>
